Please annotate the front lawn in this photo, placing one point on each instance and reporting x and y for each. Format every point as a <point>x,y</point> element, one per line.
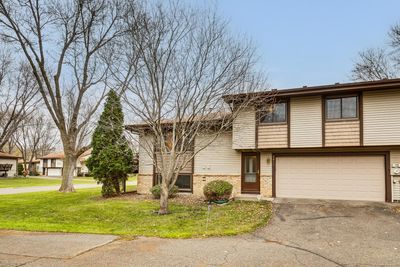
<point>26,182</point>
<point>86,212</point>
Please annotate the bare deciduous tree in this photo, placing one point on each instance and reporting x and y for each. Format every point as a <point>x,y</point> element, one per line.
<point>186,61</point>
<point>17,97</point>
<point>34,137</point>
<point>64,42</point>
<point>379,63</point>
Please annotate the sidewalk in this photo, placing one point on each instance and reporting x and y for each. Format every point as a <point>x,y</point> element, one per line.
<point>32,189</point>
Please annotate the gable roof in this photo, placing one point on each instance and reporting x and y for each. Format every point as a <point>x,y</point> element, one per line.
<point>212,118</point>
<point>60,155</point>
<point>55,155</point>
<point>321,89</point>
<point>4,155</point>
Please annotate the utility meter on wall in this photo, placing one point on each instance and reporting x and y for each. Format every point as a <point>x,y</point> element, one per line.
<point>396,169</point>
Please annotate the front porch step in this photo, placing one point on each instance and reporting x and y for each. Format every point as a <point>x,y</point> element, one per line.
<point>252,197</point>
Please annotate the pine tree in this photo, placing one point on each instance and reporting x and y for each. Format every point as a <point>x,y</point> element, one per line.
<point>111,158</point>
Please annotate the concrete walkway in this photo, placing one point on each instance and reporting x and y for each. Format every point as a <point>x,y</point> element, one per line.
<point>32,189</point>
<point>300,234</point>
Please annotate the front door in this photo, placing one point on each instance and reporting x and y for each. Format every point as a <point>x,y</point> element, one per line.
<point>251,172</point>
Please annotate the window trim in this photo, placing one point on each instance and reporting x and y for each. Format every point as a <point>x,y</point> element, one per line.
<point>261,113</point>
<point>356,118</point>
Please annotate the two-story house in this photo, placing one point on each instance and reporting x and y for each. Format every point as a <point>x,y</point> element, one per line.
<point>52,164</point>
<point>339,141</point>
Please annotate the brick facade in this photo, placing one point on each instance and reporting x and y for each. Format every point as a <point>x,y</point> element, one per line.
<point>145,182</point>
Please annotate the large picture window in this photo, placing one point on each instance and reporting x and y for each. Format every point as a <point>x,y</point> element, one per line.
<point>275,113</point>
<point>341,108</point>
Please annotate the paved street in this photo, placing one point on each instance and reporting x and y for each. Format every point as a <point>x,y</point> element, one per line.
<point>308,233</point>
<point>31,189</point>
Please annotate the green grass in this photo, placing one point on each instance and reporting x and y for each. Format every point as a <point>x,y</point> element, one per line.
<point>26,182</point>
<point>86,212</point>
<point>130,178</point>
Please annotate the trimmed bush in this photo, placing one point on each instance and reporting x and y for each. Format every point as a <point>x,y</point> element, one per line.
<point>217,190</point>
<point>156,191</point>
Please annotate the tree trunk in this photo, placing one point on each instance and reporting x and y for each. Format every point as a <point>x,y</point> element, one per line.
<point>116,186</point>
<point>163,199</point>
<point>68,174</point>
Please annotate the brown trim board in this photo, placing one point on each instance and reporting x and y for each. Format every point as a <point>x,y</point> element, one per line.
<point>385,154</point>
<point>337,88</point>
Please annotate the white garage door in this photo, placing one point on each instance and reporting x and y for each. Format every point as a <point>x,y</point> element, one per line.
<point>331,177</point>
<point>54,172</point>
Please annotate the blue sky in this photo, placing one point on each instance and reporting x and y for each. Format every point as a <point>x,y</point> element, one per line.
<point>310,42</point>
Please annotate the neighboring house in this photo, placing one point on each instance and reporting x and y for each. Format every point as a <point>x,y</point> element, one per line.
<point>52,164</point>
<point>338,141</point>
<point>35,164</point>
<point>82,169</point>
<point>8,165</point>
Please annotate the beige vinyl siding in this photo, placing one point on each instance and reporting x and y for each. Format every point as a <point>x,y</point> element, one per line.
<point>395,157</point>
<point>305,122</point>
<point>218,158</point>
<point>381,117</point>
<point>188,167</point>
<point>145,157</point>
<point>342,133</point>
<point>272,135</point>
<point>265,163</point>
<point>59,163</point>
<point>331,177</point>
<point>244,129</point>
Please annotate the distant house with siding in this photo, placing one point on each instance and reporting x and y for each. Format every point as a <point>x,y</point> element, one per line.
<point>52,164</point>
<point>8,165</point>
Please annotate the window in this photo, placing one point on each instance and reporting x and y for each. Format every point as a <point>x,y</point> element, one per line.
<point>53,163</point>
<point>184,182</point>
<point>341,108</point>
<point>274,114</point>
<point>189,144</point>
<point>45,163</point>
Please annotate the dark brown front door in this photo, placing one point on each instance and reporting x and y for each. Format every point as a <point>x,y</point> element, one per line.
<point>251,172</point>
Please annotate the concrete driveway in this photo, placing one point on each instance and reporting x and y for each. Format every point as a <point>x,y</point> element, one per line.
<point>301,233</point>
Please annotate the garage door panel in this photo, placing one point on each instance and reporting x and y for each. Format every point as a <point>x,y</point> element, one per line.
<point>331,177</point>
<point>54,172</point>
<point>335,196</point>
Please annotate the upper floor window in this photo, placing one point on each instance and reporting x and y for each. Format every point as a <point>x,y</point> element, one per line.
<point>275,113</point>
<point>169,143</point>
<point>341,108</point>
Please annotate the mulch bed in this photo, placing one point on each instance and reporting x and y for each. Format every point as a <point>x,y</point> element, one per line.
<point>184,199</point>
<point>396,210</point>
